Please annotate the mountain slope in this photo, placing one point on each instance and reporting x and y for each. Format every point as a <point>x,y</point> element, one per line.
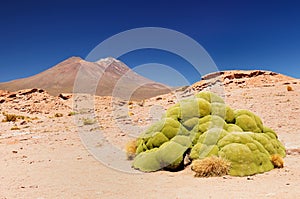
<point>109,76</point>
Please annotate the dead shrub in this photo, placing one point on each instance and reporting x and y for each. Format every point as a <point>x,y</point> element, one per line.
<point>131,149</point>
<point>210,167</point>
<point>277,161</point>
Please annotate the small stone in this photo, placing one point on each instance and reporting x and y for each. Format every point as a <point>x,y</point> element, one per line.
<point>2,100</point>
<point>14,151</point>
<point>186,160</point>
<point>171,102</point>
<point>65,96</point>
<point>23,122</point>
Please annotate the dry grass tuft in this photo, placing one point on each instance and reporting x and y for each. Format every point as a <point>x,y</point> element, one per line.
<point>277,161</point>
<point>289,88</point>
<point>72,113</point>
<point>131,149</point>
<point>130,113</point>
<point>89,121</point>
<point>141,103</point>
<point>12,117</point>
<point>58,115</point>
<point>14,128</point>
<point>211,167</point>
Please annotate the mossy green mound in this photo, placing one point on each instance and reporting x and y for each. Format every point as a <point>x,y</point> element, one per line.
<point>204,126</point>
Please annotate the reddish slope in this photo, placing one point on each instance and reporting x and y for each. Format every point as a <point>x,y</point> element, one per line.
<point>115,78</point>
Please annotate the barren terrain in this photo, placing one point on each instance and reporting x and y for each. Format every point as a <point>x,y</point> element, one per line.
<point>46,158</point>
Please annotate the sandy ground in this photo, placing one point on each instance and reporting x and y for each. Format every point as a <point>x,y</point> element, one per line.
<point>46,158</point>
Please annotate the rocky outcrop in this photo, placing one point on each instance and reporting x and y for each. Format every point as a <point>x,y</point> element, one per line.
<point>31,101</point>
<point>239,78</point>
<point>3,93</point>
<point>238,74</point>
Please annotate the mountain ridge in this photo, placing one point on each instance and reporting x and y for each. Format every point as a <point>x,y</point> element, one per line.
<point>107,73</point>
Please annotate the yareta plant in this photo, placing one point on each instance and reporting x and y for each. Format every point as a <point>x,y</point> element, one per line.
<point>204,126</point>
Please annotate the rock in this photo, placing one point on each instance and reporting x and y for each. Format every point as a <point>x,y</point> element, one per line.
<point>23,122</point>
<point>2,100</point>
<point>28,91</point>
<point>171,102</point>
<point>65,96</point>
<point>12,95</point>
<point>186,160</point>
<point>293,151</point>
<point>3,93</point>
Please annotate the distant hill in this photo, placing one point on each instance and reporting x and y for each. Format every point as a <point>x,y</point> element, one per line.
<point>240,79</point>
<point>116,79</point>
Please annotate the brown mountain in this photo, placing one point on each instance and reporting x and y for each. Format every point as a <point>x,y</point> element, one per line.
<point>105,77</point>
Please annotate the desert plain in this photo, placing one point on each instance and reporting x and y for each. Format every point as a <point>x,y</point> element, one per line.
<point>43,154</point>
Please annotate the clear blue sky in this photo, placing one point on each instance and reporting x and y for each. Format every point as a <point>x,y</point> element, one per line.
<point>36,35</point>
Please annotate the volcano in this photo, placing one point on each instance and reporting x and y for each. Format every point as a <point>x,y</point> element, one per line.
<point>110,77</point>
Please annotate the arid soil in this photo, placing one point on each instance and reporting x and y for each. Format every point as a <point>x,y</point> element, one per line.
<point>46,156</point>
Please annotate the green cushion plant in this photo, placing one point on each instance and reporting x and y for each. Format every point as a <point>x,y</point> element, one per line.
<point>204,126</point>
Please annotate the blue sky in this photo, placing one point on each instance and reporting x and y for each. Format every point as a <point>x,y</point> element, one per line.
<point>36,35</point>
